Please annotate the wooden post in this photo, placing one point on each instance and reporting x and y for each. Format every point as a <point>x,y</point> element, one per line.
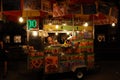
<point>5,68</point>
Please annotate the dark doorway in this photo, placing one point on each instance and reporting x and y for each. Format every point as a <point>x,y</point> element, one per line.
<point>105,43</point>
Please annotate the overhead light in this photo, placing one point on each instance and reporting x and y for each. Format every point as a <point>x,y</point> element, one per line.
<point>21,19</point>
<point>113,24</point>
<point>68,33</point>
<point>57,26</point>
<point>85,24</point>
<point>64,24</point>
<point>50,24</point>
<point>56,33</point>
<point>34,33</point>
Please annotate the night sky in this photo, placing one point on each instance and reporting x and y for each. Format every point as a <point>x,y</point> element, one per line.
<point>11,5</point>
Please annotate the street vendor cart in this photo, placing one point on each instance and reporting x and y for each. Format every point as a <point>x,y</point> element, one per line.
<point>78,56</point>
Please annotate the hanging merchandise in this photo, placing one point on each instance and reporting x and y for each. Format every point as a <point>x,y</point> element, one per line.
<point>114,12</point>
<point>59,9</point>
<point>31,5</point>
<point>73,8</point>
<point>51,64</point>
<point>46,6</point>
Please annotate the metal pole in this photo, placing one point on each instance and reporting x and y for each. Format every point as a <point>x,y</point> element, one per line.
<point>1,10</point>
<point>73,34</point>
<point>27,27</point>
<point>93,28</point>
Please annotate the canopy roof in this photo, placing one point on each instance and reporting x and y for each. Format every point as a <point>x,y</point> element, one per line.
<point>107,10</point>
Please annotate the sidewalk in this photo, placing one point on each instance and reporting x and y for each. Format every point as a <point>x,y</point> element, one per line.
<point>17,70</point>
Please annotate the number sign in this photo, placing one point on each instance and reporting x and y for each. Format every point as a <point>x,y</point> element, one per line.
<point>31,24</point>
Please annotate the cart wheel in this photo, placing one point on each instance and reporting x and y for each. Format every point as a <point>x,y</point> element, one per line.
<point>79,74</point>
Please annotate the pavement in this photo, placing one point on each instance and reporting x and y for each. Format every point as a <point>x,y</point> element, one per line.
<point>17,70</point>
<point>109,70</point>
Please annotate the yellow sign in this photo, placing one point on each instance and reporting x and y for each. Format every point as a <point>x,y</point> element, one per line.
<point>88,28</point>
<point>52,27</point>
<point>30,13</point>
<point>68,28</point>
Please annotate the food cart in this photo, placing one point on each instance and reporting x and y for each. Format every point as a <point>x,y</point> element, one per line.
<point>77,56</point>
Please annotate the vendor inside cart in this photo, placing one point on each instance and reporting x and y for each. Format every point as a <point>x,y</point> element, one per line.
<point>51,41</point>
<point>62,38</point>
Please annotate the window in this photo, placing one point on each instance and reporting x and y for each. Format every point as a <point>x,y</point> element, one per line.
<point>7,39</point>
<point>17,39</point>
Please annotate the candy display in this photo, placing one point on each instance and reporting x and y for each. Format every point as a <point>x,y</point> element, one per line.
<point>35,59</point>
<point>51,64</point>
<point>67,62</point>
<point>36,63</point>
